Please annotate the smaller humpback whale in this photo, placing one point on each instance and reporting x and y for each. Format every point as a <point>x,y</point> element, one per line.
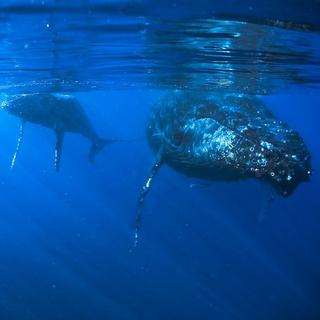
<point>224,137</point>
<point>59,112</point>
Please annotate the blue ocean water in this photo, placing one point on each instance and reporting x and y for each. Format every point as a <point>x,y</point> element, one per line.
<point>67,239</point>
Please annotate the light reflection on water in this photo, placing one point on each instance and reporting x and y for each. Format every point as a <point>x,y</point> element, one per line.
<point>70,49</point>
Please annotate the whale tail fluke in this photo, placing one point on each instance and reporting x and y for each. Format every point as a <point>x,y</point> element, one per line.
<point>97,146</point>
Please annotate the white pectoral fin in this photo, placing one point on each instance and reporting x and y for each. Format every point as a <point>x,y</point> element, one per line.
<point>144,191</point>
<point>58,149</point>
<point>19,143</point>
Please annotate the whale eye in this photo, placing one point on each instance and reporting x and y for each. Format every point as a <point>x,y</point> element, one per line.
<point>177,137</point>
<point>203,111</point>
<point>180,137</point>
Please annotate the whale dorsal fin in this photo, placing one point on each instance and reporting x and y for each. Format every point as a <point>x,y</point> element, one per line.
<point>144,191</point>
<point>58,148</point>
<point>19,142</point>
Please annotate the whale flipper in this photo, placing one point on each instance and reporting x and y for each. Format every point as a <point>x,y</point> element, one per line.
<point>145,190</point>
<point>267,201</point>
<point>18,146</point>
<point>58,148</point>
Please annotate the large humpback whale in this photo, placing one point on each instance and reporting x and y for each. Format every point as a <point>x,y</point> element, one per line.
<point>225,137</point>
<point>59,112</point>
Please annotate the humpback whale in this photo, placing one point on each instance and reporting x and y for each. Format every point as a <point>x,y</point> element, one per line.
<point>224,137</point>
<point>60,112</point>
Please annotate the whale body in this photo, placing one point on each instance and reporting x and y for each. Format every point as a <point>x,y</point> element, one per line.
<point>228,137</point>
<point>60,112</point>
<point>224,137</point>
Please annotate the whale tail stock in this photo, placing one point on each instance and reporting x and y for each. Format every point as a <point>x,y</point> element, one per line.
<point>98,145</point>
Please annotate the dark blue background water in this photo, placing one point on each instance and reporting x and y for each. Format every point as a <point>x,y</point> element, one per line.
<point>66,240</point>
